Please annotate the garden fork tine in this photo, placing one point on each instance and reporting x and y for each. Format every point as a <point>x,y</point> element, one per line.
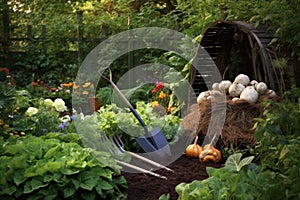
<point>114,150</point>
<point>120,145</point>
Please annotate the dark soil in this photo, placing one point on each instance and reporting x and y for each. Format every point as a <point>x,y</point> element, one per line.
<point>146,187</point>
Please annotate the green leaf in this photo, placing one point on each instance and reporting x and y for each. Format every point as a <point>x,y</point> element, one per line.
<point>18,177</point>
<point>34,184</point>
<point>76,183</point>
<point>87,180</point>
<point>234,162</point>
<point>9,190</point>
<point>88,195</point>
<point>68,192</point>
<point>15,149</point>
<point>51,152</point>
<point>69,171</point>
<point>105,185</point>
<point>164,197</point>
<point>245,161</point>
<point>100,191</point>
<point>48,192</point>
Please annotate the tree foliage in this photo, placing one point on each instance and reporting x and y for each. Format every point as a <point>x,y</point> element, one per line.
<point>108,17</point>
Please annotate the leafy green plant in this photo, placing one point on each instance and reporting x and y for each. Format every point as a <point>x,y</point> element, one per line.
<point>7,96</point>
<point>12,103</point>
<point>111,120</point>
<point>49,168</point>
<point>278,133</point>
<point>104,95</point>
<point>238,179</point>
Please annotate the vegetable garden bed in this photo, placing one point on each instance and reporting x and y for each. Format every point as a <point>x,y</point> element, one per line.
<point>186,169</point>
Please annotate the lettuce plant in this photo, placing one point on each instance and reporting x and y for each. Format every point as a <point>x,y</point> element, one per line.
<point>111,120</point>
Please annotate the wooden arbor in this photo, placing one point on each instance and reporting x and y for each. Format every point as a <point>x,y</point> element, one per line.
<point>234,47</point>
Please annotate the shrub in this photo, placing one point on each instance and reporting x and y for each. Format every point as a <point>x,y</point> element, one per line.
<point>49,168</point>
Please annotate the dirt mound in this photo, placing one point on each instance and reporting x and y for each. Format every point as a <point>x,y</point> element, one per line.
<point>238,126</point>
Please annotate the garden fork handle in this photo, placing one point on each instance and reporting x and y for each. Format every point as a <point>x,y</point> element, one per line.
<point>149,161</point>
<point>128,104</point>
<point>140,169</point>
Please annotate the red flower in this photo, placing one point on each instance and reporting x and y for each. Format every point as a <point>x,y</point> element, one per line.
<point>154,90</point>
<point>33,84</point>
<point>159,85</point>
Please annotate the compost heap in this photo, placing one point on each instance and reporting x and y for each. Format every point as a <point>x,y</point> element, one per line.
<point>244,104</point>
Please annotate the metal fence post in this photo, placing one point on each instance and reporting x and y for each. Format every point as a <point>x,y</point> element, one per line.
<point>6,35</point>
<point>80,36</point>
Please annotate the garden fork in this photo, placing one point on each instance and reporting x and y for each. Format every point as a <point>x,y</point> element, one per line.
<point>113,149</point>
<point>120,145</point>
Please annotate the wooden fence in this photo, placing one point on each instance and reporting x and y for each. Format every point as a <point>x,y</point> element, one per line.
<point>11,51</point>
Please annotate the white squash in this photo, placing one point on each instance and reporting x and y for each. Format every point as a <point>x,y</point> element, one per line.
<point>217,96</point>
<point>203,96</point>
<point>224,85</point>
<point>235,89</point>
<point>261,88</point>
<point>253,83</point>
<point>234,99</point>
<point>215,86</point>
<point>242,79</point>
<point>271,93</point>
<point>249,94</point>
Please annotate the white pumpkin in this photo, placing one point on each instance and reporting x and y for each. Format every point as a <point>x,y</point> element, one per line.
<point>224,85</point>
<point>215,86</point>
<point>261,88</point>
<point>217,96</point>
<point>235,89</point>
<point>249,94</point>
<point>271,93</point>
<point>234,99</point>
<point>253,83</point>
<point>203,96</point>
<point>242,79</point>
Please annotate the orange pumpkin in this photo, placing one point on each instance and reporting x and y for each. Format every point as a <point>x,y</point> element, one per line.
<point>210,153</point>
<point>193,150</point>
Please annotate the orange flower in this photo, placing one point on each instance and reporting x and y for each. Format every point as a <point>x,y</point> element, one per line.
<point>162,95</point>
<point>76,86</point>
<point>33,84</point>
<point>87,84</point>
<point>85,92</point>
<point>68,85</point>
<point>154,103</point>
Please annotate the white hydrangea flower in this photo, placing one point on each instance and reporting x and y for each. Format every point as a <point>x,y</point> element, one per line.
<point>31,111</point>
<point>59,105</point>
<point>48,102</point>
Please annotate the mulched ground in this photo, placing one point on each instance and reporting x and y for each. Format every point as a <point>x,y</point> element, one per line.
<point>145,187</point>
